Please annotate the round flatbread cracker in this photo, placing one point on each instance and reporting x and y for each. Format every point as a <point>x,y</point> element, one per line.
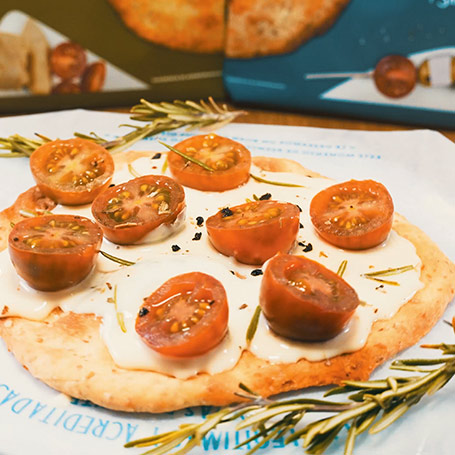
<point>189,25</point>
<point>66,351</point>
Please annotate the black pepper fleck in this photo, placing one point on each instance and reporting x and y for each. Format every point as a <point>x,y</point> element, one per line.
<point>197,236</point>
<point>265,197</point>
<point>199,220</point>
<point>142,312</point>
<point>226,212</point>
<point>156,156</point>
<point>175,247</point>
<point>232,271</point>
<point>307,247</point>
<point>16,239</point>
<point>301,226</point>
<point>257,272</point>
<point>111,185</point>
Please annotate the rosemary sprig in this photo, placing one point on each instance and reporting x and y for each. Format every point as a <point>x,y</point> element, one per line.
<point>159,117</point>
<point>272,182</point>
<point>372,405</point>
<point>20,146</point>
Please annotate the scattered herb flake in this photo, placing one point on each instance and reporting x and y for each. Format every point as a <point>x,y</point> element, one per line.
<point>257,272</point>
<point>197,236</point>
<point>175,248</point>
<point>199,220</point>
<point>156,156</point>
<point>251,331</point>
<point>342,268</point>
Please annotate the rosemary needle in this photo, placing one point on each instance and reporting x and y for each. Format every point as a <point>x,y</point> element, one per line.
<point>342,268</point>
<point>373,406</point>
<point>188,157</point>
<point>133,171</point>
<point>272,182</point>
<point>160,117</point>
<point>120,318</point>
<point>116,259</point>
<point>251,331</point>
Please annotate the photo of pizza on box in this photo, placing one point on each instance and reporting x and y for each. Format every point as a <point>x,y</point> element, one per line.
<point>160,278</point>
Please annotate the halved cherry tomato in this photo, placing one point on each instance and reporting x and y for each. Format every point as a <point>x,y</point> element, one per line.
<point>129,211</point>
<point>255,231</point>
<point>185,317</point>
<point>353,215</point>
<point>229,160</point>
<point>72,171</point>
<point>54,252</point>
<point>303,300</point>
<point>68,60</point>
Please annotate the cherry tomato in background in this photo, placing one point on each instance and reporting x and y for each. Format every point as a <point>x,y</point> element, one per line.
<point>255,231</point>
<point>131,210</point>
<point>93,78</point>
<point>66,87</point>
<point>54,252</point>
<point>395,76</point>
<point>72,171</point>
<point>230,161</point>
<point>303,300</point>
<point>68,60</point>
<point>185,317</point>
<point>353,215</point>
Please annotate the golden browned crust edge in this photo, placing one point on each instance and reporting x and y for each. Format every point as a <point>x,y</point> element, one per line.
<point>190,25</point>
<point>266,27</point>
<point>66,352</point>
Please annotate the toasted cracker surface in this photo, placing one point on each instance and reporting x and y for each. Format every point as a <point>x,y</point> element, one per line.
<point>191,25</point>
<point>265,27</point>
<point>66,351</point>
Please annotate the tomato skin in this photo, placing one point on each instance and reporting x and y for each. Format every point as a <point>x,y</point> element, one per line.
<point>66,87</point>
<point>194,176</point>
<point>254,244</point>
<point>54,268</point>
<point>353,215</point>
<point>315,315</point>
<point>93,78</point>
<point>91,157</point>
<point>198,289</point>
<point>125,233</point>
<point>68,60</point>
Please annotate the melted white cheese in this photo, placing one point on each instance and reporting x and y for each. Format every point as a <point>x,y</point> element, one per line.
<point>156,263</point>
